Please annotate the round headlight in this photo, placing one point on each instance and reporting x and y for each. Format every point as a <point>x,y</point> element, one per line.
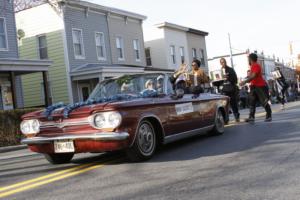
<point>25,127</point>
<point>109,120</point>
<point>35,125</point>
<point>31,126</point>
<point>99,120</point>
<point>114,119</point>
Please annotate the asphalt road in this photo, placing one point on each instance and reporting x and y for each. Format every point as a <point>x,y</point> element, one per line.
<point>260,161</point>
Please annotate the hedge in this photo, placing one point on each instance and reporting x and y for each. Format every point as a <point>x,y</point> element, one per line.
<point>10,126</point>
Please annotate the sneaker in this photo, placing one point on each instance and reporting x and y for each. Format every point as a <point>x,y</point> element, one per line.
<point>250,120</point>
<point>268,119</point>
<point>282,107</point>
<point>237,117</point>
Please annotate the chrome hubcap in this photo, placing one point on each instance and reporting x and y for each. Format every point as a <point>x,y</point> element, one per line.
<point>146,139</point>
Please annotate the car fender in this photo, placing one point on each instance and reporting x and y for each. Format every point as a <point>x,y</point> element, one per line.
<point>143,117</point>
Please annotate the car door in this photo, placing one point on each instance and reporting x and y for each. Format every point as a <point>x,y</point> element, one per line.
<point>187,114</point>
<point>205,105</point>
<point>184,114</point>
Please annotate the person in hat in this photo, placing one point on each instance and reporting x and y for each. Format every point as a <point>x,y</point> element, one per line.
<point>160,84</point>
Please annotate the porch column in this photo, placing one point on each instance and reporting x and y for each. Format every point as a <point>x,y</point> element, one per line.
<point>13,88</point>
<point>46,89</point>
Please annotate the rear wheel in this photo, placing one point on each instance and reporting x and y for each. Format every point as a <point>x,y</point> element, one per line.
<point>59,158</point>
<point>145,143</point>
<point>219,124</point>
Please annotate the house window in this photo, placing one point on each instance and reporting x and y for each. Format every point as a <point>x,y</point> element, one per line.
<point>181,50</point>
<point>120,48</point>
<point>202,57</point>
<point>194,53</point>
<point>136,47</point>
<point>42,47</point>
<point>172,54</point>
<point>3,35</point>
<point>100,46</point>
<point>148,57</point>
<point>78,43</point>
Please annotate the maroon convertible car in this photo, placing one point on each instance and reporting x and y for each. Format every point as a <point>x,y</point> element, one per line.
<point>134,113</point>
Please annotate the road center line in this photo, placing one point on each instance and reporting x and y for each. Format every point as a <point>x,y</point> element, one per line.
<point>43,177</point>
<point>86,168</point>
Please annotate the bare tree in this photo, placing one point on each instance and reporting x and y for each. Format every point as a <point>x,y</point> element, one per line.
<point>25,4</point>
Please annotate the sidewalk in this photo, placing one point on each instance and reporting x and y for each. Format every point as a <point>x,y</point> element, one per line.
<point>12,148</point>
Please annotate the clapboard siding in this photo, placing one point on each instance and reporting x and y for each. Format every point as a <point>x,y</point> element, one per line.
<point>57,71</point>
<point>51,25</point>
<point>129,30</point>
<point>89,24</point>
<point>7,12</point>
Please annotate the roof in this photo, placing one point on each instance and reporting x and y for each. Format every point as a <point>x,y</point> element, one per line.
<point>21,65</point>
<point>93,66</point>
<point>181,28</point>
<point>104,8</point>
<point>153,69</point>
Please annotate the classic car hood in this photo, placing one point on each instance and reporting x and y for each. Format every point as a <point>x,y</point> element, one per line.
<point>58,113</point>
<point>88,109</point>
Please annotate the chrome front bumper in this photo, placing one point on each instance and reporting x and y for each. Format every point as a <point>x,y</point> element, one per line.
<point>103,136</point>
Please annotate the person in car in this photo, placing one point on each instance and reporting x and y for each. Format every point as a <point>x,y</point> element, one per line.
<point>160,84</point>
<point>196,78</point>
<point>149,85</point>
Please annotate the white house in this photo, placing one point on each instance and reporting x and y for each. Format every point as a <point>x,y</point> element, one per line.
<point>240,64</point>
<point>175,45</point>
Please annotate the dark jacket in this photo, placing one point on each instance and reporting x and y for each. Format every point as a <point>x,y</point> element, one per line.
<point>232,78</point>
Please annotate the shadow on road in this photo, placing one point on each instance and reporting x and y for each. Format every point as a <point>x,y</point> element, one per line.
<point>235,139</point>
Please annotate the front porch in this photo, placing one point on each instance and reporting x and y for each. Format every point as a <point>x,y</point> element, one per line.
<point>11,70</point>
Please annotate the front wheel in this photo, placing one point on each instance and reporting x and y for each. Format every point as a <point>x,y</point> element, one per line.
<point>59,158</point>
<point>218,128</point>
<point>144,144</point>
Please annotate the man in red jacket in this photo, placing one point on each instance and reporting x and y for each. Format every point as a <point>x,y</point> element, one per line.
<point>257,89</point>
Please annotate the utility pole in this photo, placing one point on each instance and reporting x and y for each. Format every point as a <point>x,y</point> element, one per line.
<point>291,53</point>
<point>231,60</point>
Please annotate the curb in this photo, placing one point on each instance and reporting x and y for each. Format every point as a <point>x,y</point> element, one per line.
<point>12,148</point>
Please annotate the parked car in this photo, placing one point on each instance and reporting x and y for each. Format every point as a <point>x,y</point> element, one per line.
<point>124,113</point>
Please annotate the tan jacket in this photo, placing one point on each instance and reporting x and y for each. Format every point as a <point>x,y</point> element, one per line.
<point>197,77</point>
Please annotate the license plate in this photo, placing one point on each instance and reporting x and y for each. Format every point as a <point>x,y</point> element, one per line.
<point>64,146</point>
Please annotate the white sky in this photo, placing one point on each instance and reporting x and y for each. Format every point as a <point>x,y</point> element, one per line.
<point>266,25</point>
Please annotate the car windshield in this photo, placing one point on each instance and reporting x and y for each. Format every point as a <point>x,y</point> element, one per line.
<point>129,85</point>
